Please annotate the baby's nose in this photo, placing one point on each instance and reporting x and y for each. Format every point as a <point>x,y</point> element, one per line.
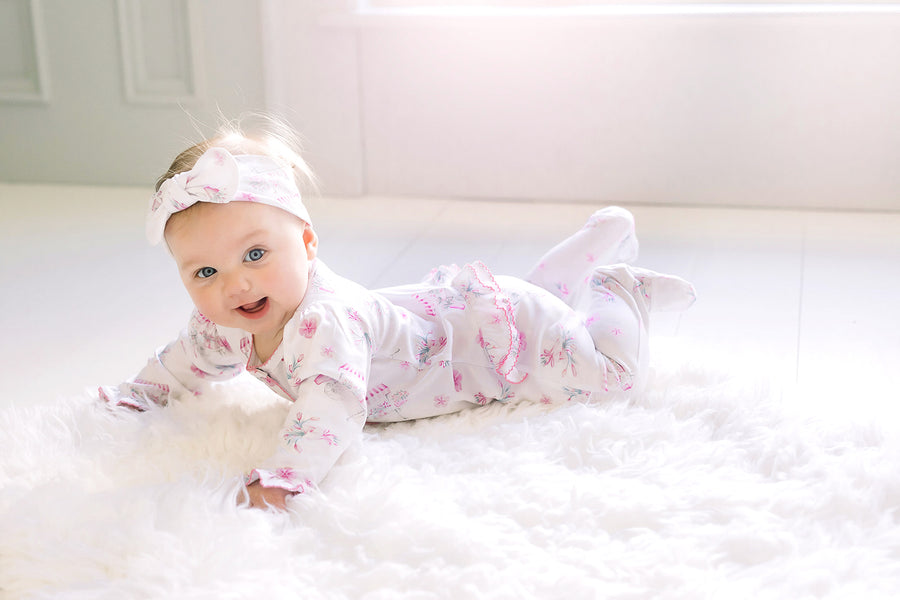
<point>237,284</point>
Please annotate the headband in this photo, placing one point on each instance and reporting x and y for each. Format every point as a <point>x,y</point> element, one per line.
<point>220,177</point>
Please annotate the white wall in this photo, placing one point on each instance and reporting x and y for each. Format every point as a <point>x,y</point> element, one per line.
<point>775,109</point>
<point>766,108</point>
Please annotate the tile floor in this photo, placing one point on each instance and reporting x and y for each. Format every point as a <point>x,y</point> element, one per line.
<point>807,299</point>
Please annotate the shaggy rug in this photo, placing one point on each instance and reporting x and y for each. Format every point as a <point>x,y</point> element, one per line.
<point>701,487</point>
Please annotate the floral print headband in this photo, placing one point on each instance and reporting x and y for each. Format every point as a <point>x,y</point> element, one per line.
<point>221,177</point>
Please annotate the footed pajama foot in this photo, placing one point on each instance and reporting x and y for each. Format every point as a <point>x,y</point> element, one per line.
<point>606,238</point>
<point>657,292</point>
<point>615,223</point>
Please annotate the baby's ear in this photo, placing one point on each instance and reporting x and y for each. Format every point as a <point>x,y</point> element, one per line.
<point>311,241</point>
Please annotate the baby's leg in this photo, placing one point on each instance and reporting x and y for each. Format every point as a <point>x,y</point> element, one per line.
<point>618,315</point>
<point>618,323</point>
<point>608,237</point>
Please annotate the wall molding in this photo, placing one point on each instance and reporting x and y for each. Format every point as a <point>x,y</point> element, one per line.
<point>24,75</point>
<point>152,76</point>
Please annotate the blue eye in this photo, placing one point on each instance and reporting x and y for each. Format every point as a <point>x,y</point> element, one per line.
<point>206,272</point>
<point>254,255</point>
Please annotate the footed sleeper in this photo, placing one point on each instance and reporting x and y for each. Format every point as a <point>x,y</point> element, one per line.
<point>575,330</point>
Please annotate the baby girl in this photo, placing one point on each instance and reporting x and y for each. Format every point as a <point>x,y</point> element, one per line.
<point>232,217</point>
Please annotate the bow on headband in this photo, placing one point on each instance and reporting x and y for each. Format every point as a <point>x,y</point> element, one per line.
<point>220,177</point>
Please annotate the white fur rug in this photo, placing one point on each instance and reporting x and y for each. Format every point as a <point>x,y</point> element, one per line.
<point>702,487</point>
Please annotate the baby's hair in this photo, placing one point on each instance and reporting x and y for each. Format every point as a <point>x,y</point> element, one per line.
<point>269,137</point>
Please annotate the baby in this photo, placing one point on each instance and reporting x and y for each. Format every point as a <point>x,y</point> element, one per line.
<point>231,214</point>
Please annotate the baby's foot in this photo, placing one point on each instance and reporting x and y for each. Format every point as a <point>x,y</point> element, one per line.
<point>616,223</point>
<point>606,238</point>
<point>657,291</point>
<point>664,292</point>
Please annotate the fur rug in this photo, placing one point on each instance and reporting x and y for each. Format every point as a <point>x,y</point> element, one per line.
<point>702,486</point>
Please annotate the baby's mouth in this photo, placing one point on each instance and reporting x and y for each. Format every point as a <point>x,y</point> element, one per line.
<point>254,307</point>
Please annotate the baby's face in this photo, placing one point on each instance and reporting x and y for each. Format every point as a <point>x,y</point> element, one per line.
<point>245,265</point>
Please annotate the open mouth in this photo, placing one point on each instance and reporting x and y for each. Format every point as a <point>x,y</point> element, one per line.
<point>254,309</point>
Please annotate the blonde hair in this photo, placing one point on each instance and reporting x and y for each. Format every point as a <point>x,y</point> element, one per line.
<point>268,137</point>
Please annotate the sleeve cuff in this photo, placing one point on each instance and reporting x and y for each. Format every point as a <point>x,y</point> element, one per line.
<point>114,399</point>
<point>285,478</point>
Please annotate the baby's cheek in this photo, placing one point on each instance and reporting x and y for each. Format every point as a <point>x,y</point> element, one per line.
<point>297,286</point>
<point>206,304</point>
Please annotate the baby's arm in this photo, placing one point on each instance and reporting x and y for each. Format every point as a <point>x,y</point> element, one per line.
<point>203,352</point>
<point>326,419</point>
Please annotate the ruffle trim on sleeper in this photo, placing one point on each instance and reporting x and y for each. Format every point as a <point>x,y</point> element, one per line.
<point>499,336</point>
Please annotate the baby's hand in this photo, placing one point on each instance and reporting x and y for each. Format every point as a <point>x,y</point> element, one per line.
<point>263,497</point>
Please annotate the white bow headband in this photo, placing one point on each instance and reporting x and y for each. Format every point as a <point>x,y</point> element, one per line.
<point>219,177</point>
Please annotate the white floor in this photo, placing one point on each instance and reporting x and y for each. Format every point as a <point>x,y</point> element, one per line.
<point>806,299</point>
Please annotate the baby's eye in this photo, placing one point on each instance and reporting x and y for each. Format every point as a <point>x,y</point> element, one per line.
<point>254,255</point>
<point>206,272</point>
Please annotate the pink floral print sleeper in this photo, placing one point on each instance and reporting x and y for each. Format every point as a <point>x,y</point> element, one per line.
<point>461,338</point>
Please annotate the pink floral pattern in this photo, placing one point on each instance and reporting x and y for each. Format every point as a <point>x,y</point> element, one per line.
<point>298,430</point>
<point>308,328</point>
<point>427,346</point>
<point>562,350</point>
